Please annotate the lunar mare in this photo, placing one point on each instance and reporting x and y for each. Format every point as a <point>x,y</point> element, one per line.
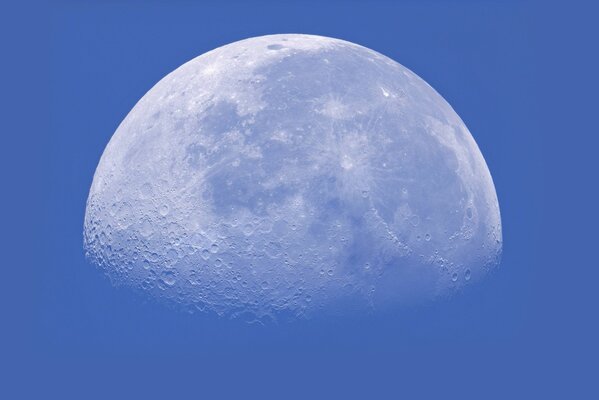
<point>293,174</point>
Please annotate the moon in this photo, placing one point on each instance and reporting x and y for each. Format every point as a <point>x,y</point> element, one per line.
<point>293,175</point>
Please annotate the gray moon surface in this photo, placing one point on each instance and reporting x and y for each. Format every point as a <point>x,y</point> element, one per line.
<point>293,174</point>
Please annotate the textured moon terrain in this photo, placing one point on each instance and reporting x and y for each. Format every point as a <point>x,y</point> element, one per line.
<point>293,175</point>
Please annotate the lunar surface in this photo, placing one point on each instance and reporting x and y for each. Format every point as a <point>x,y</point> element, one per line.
<point>293,175</point>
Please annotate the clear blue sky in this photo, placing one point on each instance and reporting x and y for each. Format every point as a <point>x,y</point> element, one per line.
<point>523,77</point>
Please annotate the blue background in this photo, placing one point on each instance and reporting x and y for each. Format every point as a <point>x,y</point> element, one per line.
<point>522,76</point>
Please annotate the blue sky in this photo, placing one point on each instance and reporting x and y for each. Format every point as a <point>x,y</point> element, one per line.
<point>522,75</point>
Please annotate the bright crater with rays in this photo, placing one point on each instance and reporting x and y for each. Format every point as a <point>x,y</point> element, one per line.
<point>296,175</point>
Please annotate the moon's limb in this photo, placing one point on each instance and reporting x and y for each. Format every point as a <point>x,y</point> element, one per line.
<point>293,173</point>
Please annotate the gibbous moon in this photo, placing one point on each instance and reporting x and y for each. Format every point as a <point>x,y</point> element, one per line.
<point>293,175</point>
